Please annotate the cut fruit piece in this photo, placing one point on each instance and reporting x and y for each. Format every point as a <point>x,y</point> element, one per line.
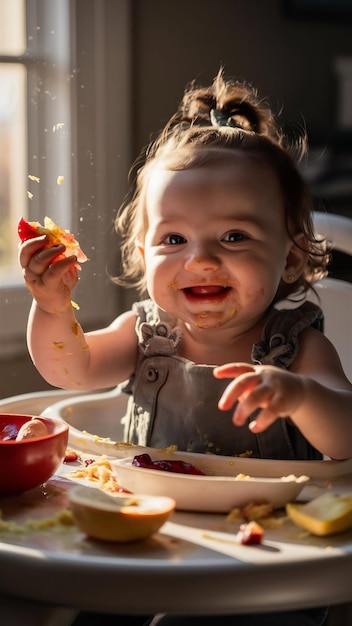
<point>32,429</point>
<point>250,534</point>
<point>328,514</point>
<point>120,517</point>
<point>56,235</point>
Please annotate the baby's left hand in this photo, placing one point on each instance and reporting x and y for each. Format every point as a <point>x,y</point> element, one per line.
<point>277,392</point>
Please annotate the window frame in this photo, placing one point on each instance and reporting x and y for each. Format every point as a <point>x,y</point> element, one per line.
<point>96,113</point>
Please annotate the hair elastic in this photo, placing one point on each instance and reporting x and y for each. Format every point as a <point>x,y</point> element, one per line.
<point>219,118</point>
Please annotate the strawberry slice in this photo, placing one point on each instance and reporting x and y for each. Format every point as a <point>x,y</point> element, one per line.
<point>26,230</point>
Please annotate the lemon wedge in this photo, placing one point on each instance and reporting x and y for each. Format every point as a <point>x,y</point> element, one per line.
<point>120,517</point>
<point>328,514</point>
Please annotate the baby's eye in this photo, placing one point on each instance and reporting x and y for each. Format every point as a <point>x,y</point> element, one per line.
<point>174,239</point>
<point>234,237</point>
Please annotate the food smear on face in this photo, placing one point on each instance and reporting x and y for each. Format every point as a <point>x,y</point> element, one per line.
<point>202,320</point>
<point>178,467</point>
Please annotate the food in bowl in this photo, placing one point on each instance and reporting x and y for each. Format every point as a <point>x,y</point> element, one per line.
<point>118,518</point>
<point>32,429</point>
<point>208,493</point>
<point>29,462</point>
<point>29,430</point>
<point>166,465</point>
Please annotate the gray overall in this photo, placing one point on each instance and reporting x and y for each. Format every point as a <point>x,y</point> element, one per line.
<point>174,401</point>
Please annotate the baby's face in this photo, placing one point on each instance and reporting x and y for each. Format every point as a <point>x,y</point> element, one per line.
<point>216,244</point>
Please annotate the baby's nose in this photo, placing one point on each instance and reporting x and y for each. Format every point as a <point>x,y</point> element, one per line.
<point>201,263</point>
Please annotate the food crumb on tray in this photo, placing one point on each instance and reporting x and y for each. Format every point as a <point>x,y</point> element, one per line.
<point>63,518</point>
<point>97,471</point>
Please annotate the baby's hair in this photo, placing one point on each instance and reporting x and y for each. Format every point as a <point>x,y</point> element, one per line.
<point>191,140</point>
<point>237,104</point>
<point>226,102</point>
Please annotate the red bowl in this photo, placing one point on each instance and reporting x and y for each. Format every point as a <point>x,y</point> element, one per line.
<point>28,463</point>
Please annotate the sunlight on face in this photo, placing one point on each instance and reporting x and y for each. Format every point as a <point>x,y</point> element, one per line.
<point>216,244</point>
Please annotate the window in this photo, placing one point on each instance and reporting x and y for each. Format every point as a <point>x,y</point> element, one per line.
<point>12,130</point>
<point>61,115</point>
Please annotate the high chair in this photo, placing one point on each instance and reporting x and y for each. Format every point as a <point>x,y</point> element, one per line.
<point>335,294</point>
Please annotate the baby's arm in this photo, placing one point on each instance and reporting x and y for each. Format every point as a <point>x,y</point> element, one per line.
<point>315,395</point>
<point>62,353</point>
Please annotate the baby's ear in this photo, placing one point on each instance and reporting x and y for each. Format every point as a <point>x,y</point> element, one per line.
<point>296,259</point>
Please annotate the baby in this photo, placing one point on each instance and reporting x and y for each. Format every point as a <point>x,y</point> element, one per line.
<point>217,236</point>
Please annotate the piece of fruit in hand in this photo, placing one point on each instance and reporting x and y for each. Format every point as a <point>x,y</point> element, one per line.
<point>56,235</point>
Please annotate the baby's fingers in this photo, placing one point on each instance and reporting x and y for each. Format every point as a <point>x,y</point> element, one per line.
<point>40,262</point>
<point>238,389</point>
<point>261,397</point>
<point>263,420</point>
<point>52,274</point>
<point>30,247</point>
<point>43,276</point>
<point>232,370</point>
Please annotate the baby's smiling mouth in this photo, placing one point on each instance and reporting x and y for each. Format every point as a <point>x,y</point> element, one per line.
<point>206,291</point>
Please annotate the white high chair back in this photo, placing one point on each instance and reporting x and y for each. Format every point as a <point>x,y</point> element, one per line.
<point>335,294</point>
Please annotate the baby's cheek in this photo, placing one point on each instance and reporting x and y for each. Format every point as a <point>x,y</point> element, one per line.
<point>256,294</point>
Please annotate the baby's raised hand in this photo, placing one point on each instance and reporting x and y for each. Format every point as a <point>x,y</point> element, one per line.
<point>277,392</point>
<point>49,282</point>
